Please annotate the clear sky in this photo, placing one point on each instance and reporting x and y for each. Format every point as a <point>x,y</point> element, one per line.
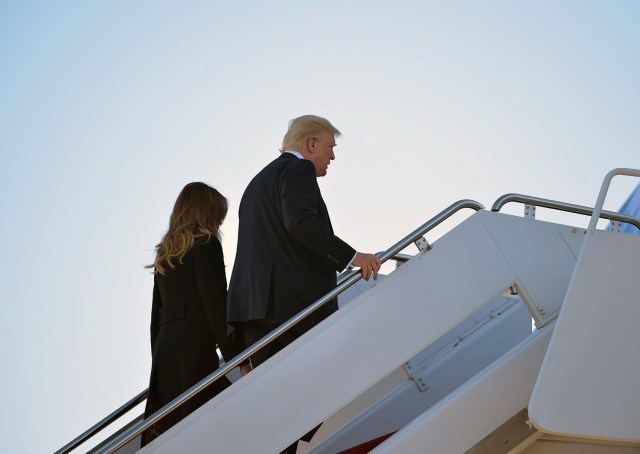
<point>107,109</point>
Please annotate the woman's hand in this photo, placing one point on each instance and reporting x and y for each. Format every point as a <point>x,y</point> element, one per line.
<point>245,369</point>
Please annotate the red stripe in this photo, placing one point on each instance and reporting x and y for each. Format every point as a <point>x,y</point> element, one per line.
<point>366,446</point>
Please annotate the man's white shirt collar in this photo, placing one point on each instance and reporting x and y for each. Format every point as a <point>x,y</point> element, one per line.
<point>295,153</point>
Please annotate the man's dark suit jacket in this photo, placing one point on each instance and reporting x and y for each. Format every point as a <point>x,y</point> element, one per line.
<point>188,321</point>
<point>287,254</point>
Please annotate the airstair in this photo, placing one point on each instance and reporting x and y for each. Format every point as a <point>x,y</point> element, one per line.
<point>440,356</point>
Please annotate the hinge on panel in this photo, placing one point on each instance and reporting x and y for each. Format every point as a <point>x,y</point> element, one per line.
<point>529,211</point>
<point>615,226</point>
<point>413,371</point>
<point>422,244</point>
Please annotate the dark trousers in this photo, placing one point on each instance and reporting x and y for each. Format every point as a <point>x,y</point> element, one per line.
<point>255,330</point>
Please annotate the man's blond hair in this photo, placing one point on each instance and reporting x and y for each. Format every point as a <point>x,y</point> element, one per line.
<point>303,128</point>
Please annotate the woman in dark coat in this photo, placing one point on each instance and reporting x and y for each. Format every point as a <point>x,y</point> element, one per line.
<point>188,316</point>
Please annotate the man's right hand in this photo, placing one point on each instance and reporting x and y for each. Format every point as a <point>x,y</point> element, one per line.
<point>368,263</point>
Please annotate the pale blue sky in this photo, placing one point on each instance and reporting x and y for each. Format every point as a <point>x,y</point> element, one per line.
<point>108,108</point>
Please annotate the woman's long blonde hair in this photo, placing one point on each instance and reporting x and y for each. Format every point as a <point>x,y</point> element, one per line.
<point>199,211</point>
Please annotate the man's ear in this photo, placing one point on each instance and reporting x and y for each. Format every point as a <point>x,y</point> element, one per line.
<point>311,143</point>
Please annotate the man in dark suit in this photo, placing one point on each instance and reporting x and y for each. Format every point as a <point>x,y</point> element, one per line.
<point>287,254</point>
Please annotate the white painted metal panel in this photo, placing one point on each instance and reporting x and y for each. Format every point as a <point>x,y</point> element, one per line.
<point>478,407</point>
<point>589,384</point>
<point>543,255</point>
<point>443,368</point>
<point>357,289</point>
<point>351,351</point>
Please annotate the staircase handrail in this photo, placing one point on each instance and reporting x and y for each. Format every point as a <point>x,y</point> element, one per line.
<point>73,444</point>
<point>563,206</point>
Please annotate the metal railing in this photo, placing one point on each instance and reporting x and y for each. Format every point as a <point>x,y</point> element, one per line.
<point>348,279</point>
<point>73,444</point>
<point>562,206</point>
<point>598,212</point>
<point>97,448</point>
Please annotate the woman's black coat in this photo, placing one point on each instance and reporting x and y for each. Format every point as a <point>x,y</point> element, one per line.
<point>188,322</point>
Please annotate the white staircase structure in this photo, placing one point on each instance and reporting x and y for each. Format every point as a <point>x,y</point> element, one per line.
<point>442,355</point>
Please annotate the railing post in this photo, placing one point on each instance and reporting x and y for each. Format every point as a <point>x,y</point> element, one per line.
<point>597,210</point>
